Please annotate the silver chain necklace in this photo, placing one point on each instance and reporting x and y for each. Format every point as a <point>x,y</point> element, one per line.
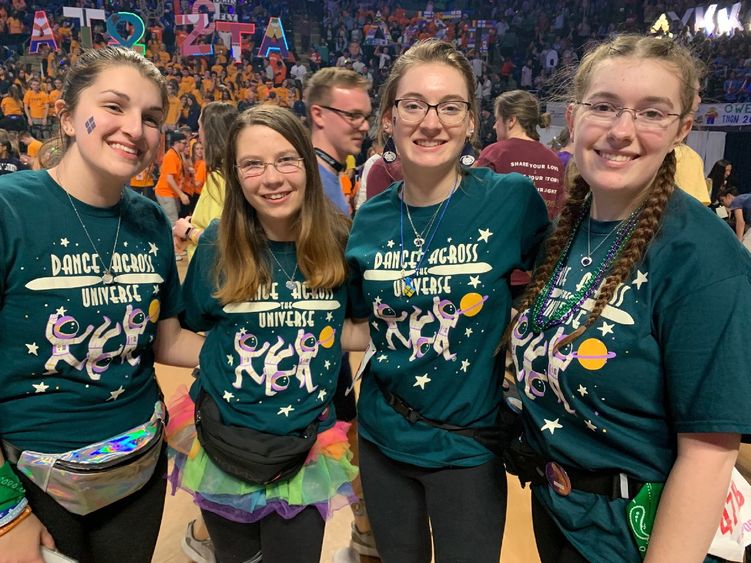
<point>290,283</point>
<point>107,276</point>
<point>419,239</point>
<point>587,260</point>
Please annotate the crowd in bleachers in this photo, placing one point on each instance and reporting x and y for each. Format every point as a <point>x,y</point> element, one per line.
<point>512,44</point>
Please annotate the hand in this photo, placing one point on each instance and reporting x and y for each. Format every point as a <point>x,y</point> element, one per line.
<point>21,545</point>
<point>180,230</point>
<point>184,199</point>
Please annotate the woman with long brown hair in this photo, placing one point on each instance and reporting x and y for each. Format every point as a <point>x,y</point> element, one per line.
<point>268,283</point>
<point>630,345</point>
<point>430,260</point>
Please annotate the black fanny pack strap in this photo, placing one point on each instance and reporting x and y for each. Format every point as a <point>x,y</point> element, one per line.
<point>413,416</point>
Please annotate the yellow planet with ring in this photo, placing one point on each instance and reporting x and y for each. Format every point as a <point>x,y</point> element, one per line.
<point>471,304</point>
<point>326,338</point>
<point>593,354</point>
<point>154,310</point>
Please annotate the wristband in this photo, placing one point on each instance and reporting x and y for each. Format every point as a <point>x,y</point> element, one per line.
<point>187,233</point>
<point>21,517</point>
<point>11,514</point>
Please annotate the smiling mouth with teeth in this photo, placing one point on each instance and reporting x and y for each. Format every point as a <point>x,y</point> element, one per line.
<point>428,144</point>
<point>617,157</point>
<point>275,196</point>
<point>123,148</point>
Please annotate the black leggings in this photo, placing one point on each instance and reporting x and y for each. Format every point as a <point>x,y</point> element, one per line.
<point>464,506</point>
<point>297,540</point>
<point>125,531</point>
<point>552,545</point>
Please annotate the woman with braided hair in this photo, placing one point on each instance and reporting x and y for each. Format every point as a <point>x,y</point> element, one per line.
<point>631,365</point>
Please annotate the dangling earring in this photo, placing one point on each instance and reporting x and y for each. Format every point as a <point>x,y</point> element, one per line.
<point>389,151</point>
<point>467,158</point>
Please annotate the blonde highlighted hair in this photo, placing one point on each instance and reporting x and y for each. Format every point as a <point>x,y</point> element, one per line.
<point>320,230</point>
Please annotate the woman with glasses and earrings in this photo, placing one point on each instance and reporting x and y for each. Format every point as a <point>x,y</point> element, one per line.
<point>430,260</point>
<point>629,345</point>
<point>270,462</point>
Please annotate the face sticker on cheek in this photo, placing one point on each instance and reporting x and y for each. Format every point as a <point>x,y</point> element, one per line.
<point>90,125</point>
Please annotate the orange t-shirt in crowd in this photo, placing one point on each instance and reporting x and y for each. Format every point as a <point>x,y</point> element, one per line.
<point>172,164</point>
<point>188,185</point>
<point>11,106</point>
<point>37,102</point>
<point>144,179</point>
<point>33,148</point>
<point>199,175</point>
<point>15,25</point>
<point>173,111</point>
<point>187,84</point>
<point>53,97</point>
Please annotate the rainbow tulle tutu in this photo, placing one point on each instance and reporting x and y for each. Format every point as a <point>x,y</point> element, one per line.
<point>323,481</point>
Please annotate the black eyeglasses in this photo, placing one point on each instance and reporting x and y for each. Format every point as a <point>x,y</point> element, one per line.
<point>354,118</point>
<point>450,112</point>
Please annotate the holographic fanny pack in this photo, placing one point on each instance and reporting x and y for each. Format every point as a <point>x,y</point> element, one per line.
<point>95,476</point>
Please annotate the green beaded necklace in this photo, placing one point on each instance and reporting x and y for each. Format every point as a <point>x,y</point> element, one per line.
<point>538,322</point>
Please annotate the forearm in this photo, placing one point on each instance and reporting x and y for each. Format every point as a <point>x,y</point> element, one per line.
<point>740,224</point>
<point>693,499</point>
<point>173,185</point>
<point>355,335</point>
<point>177,346</point>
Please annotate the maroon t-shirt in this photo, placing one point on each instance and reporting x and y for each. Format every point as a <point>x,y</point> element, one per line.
<point>534,160</point>
<point>539,164</point>
<point>381,176</point>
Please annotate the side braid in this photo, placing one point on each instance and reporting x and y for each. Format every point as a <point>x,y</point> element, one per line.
<point>577,193</point>
<point>648,225</point>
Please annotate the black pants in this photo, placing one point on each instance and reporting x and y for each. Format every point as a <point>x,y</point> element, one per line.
<point>465,507</point>
<point>297,540</point>
<point>552,545</point>
<point>125,531</point>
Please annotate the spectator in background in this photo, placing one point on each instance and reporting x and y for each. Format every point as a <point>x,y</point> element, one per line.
<point>9,161</point>
<point>739,214</point>
<point>169,192</point>
<point>719,176</point>
<point>12,108</point>
<point>518,149</point>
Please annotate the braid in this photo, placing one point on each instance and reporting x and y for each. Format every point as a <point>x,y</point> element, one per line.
<point>577,193</point>
<point>633,253</point>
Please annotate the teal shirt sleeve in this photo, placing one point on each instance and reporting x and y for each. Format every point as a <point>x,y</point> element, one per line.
<point>198,286</point>
<point>357,306</point>
<point>533,225</point>
<point>707,357</point>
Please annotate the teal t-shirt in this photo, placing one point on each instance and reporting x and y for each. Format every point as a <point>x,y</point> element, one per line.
<point>436,349</point>
<point>270,363</point>
<point>76,363</point>
<point>669,354</point>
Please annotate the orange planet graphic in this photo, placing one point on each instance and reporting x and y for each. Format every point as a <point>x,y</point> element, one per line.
<point>154,309</point>
<point>326,338</point>
<point>593,354</point>
<point>471,304</point>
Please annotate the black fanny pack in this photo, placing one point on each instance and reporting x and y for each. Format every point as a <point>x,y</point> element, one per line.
<point>256,457</point>
<point>494,438</point>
